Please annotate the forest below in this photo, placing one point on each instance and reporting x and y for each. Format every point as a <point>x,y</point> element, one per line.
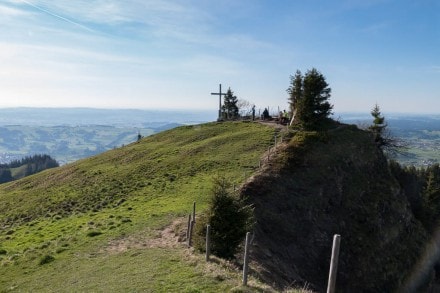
<point>26,166</point>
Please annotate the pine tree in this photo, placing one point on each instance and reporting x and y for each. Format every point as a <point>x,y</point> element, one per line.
<point>378,126</point>
<point>230,108</point>
<point>229,217</point>
<point>295,91</point>
<point>5,175</point>
<point>431,197</point>
<point>309,95</point>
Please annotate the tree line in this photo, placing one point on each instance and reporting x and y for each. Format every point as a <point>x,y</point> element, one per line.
<point>422,188</point>
<point>26,166</point>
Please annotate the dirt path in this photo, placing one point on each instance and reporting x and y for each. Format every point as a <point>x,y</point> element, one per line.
<point>167,237</point>
<point>273,124</point>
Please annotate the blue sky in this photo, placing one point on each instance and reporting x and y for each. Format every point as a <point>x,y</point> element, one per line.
<point>153,54</point>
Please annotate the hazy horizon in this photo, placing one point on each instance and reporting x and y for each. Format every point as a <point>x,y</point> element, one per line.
<point>213,110</point>
<point>154,54</point>
<point>52,116</point>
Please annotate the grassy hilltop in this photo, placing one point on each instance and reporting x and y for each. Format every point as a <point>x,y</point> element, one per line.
<point>95,225</point>
<point>111,223</point>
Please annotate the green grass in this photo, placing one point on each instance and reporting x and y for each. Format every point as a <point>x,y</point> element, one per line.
<point>151,270</point>
<point>55,225</point>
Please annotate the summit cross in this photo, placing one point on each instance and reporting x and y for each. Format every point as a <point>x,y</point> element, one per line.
<point>219,94</point>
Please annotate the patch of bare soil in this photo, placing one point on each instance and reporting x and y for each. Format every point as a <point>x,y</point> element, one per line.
<point>172,236</point>
<point>273,124</point>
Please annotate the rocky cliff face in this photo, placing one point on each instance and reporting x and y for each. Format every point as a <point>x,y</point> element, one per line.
<point>321,184</point>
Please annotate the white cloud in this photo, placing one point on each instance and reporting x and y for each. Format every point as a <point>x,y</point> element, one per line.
<point>147,19</point>
<point>8,11</point>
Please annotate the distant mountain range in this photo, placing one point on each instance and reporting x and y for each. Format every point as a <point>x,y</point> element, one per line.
<point>109,117</point>
<point>69,134</point>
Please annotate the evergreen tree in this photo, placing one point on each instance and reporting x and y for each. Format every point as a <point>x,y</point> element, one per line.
<point>378,126</point>
<point>5,175</point>
<point>309,98</point>
<point>382,137</point>
<point>230,108</point>
<point>295,91</point>
<point>432,195</point>
<point>229,217</point>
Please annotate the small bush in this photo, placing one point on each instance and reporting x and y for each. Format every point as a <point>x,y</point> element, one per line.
<point>229,217</point>
<point>46,259</point>
<point>93,233</point>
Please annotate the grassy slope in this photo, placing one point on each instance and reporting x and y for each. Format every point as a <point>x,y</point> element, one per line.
<point>127,193</point>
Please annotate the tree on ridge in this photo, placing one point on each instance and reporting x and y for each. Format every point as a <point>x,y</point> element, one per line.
<point>382,137</point>
<point>230,108</point>
<point>309,98</point>
<point>378,127</point>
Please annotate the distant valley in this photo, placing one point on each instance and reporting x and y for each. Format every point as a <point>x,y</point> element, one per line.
<point>420,133</point>
<point>71,134</point>
<point>64,143</point>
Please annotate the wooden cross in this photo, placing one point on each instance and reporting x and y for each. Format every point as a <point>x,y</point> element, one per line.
<point>219,94</point>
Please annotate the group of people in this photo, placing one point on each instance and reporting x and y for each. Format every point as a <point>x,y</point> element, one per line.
<point>283,116</point>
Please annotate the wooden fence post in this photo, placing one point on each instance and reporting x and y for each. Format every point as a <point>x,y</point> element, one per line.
<point>191,227</point>
<point>194,211</point>
<point>208,241</point>
<point>246,259</point>
<point>188,227</point>
<point>334,264</point>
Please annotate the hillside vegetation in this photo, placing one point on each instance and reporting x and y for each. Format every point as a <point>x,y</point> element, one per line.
<point>94,225</point>
<point>335,182</point>
<point>113,222</point>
